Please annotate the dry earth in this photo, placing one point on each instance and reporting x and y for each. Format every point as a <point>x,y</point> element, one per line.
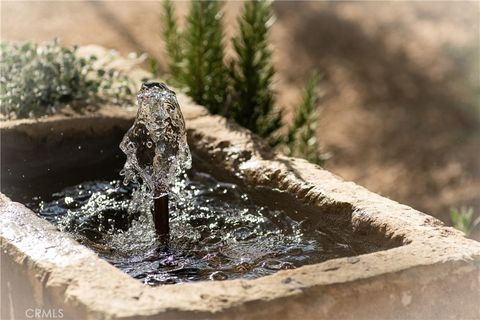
<point>400,109</point>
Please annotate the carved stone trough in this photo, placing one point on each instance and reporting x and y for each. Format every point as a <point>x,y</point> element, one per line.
<point>426,270</point>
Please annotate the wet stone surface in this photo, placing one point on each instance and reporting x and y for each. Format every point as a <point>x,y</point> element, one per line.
<point>217,232</point>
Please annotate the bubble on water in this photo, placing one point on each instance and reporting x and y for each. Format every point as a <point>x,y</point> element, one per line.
<point>156,145</point>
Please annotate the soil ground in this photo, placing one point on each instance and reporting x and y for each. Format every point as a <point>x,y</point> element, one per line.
<point>400,109</point>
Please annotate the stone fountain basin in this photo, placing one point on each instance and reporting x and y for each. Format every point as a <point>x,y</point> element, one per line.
<point>427,270</point>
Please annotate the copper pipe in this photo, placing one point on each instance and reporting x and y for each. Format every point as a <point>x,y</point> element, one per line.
<point>161,217</point>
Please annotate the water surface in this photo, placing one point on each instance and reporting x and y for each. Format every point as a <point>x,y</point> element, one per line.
<point>217,232</point>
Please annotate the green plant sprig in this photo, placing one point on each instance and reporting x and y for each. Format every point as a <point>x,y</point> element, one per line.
<point>462,219</point>
<point>243,91</point>
<point>197,53</point>
<point>301,140</point>
<point>252,72</point>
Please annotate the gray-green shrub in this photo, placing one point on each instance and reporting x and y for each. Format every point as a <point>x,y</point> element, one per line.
<point>38,80</point>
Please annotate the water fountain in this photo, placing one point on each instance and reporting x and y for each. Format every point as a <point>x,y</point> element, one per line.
<point>401,259</point>
<point>156,148</point>
<point>219,232</point>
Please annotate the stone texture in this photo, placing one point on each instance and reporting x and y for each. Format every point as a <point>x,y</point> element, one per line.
<point>432,272</point>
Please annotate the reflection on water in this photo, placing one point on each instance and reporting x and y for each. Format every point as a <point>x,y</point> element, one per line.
<point>217,232</point>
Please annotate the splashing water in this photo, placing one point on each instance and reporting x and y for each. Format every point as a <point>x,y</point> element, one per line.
<point>156,145</point>
<point>218,232</point>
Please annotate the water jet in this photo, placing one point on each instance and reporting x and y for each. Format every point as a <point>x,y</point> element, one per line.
<point>156,148</point>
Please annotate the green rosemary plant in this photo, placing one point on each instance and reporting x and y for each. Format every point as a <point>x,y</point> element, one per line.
<point>301,140</point>
<point>173,42</point>
<point>463,219</point>
<point>197,53</point>
<point>243,91</point>
<point>252,72</point>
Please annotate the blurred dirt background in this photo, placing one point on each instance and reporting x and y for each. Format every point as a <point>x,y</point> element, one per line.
<point>400,109</point>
